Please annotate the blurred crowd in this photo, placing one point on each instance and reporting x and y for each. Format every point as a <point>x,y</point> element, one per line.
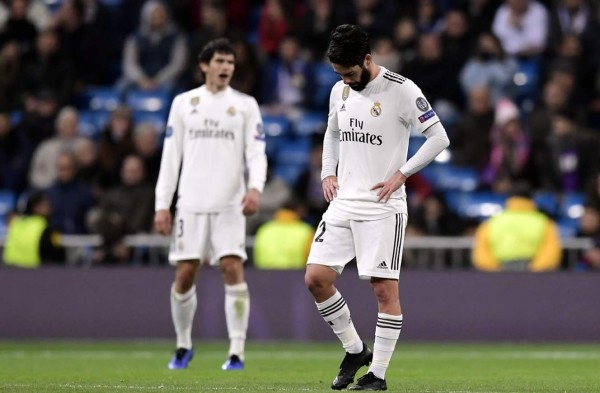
<point>515,82</point>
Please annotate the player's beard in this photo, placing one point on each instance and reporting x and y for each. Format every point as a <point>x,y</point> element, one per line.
<point>365,77</point>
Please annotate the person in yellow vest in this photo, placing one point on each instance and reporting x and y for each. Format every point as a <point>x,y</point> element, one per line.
<point>283,242</point>
<point>520,238</point>
<point>29,240</point>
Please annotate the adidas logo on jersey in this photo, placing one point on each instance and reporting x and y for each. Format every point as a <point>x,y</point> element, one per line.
<point>382,265</point>
<point>343,108</point>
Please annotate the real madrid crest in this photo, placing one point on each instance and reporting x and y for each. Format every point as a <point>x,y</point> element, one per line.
<point>231,111</point>
<point>195,101</point>
<point>345,92</point>
<point>376,109</point>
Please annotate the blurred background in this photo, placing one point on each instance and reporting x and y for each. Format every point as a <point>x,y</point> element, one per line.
<point>85,90</point>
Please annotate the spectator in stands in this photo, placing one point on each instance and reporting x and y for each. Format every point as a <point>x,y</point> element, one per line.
<point>471,137</point>
<point>11,76</point>
<point>126,209</point>
<point>30,241</point>
<point>509,155</point>
<point>289,79</point>
<point>42,173</point>
<point>456,39</point>
<point>375,16</point>
<point>522,27</point>
<point>70,198</point>
<point>86,159</point>
<point>386,54</point>
<point>405,36</point>
<point>569,159</point>
<point>436,77</point>
<point>521,238</point>
<point>86,37</point>
<point>156,54</point>
<point>554,99</point>
<point>14,156</point>
<point>145,141</point>
<point>308,187</point>
<point>19,29</point>
<point>39,116</point>
<point>247,77</point>
<point>37,13</point>
<point>589,226</point>
<point>275,193</point>
<point>273,25</point>
<point>213,25</point>
<point>480,13</point>
<point>316,25</point>
<point>573,17</point>
<point>49,70</point>
<point>433,218</point>
<point>490,67</point>
<point>592,193</point>
<point>116,142</point>
<point>284,242</point>
<point>429,17</point>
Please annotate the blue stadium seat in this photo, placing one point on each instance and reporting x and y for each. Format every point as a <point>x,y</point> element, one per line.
<point>88,124</point>
<point>414,144</point>
<point>310,123</point>
<point>149,101</point>
<point>475,205</point>
<point>546,202</point>
<point>292,158</point>
<point>276,125</point>
<point>104,99</point>
<point>3,226</point>
<point>567,227</point>
<point>449,177</point>
<point>571,206</point>
<point>158,120</point>
<point>8,199</point>
<point>325,78</point>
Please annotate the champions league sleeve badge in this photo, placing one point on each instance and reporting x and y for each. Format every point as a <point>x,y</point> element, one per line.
<point>376,109</point>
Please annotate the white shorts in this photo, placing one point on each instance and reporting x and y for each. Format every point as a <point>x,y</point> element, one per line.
<point>376,244</point>
<point>208,236</point>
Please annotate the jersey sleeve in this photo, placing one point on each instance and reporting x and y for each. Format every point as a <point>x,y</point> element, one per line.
<point>256,160</point>
<point>172,155</point>
<point>331,141</point>
<point>417,110</point>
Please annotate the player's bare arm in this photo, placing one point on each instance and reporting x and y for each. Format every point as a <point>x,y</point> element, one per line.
<point>330,187</point>
<point>163,222</point>
<point>388,187</point>
<point>250,202</point>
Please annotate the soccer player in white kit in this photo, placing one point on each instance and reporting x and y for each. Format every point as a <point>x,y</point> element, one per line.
<point>371,113</point>
<point>214,133</point>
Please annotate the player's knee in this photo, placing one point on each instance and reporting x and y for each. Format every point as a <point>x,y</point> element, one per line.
<point>314,283</point>
<point>231,269</point>
<point>383,294</point>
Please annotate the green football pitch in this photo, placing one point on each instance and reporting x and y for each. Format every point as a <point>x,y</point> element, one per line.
<point>294,367</point>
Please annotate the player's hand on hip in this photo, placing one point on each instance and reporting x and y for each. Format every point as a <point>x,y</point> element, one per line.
<point>250,202</point>
<point>330,187</point>
<point>163,222</point>
<point>388,187</point>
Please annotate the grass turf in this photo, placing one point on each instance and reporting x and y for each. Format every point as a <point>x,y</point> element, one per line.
<point>295,367</point>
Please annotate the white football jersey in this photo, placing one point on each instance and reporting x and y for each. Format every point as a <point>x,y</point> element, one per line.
<point>369,132</point>
<point>217,136</point>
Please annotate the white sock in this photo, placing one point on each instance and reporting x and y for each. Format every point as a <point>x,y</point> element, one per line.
<point>237,312</point>
<point>183,309</point>
<point>337,314</point>
<point>386,335</point>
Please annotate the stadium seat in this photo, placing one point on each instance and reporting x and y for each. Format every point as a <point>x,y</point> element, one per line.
<point>292,158</point>
<point>567,227</point>
<point>571,206</point>
<point>277,125</point>
<point>310,123</point>
<point>325,79</point>
<point>475,205</point>
<point>447,177</point>
<point>546,202</point>
<point>158,120</point>
<point>88,124</point>
<point>8,200</point>
<point>3,226</point>
<point>414,144</point>
<point>102,99</point>
<point>149,101</point>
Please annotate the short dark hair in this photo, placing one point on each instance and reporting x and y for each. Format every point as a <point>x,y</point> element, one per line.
<point>219,45</point>
<point>348,45</point>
